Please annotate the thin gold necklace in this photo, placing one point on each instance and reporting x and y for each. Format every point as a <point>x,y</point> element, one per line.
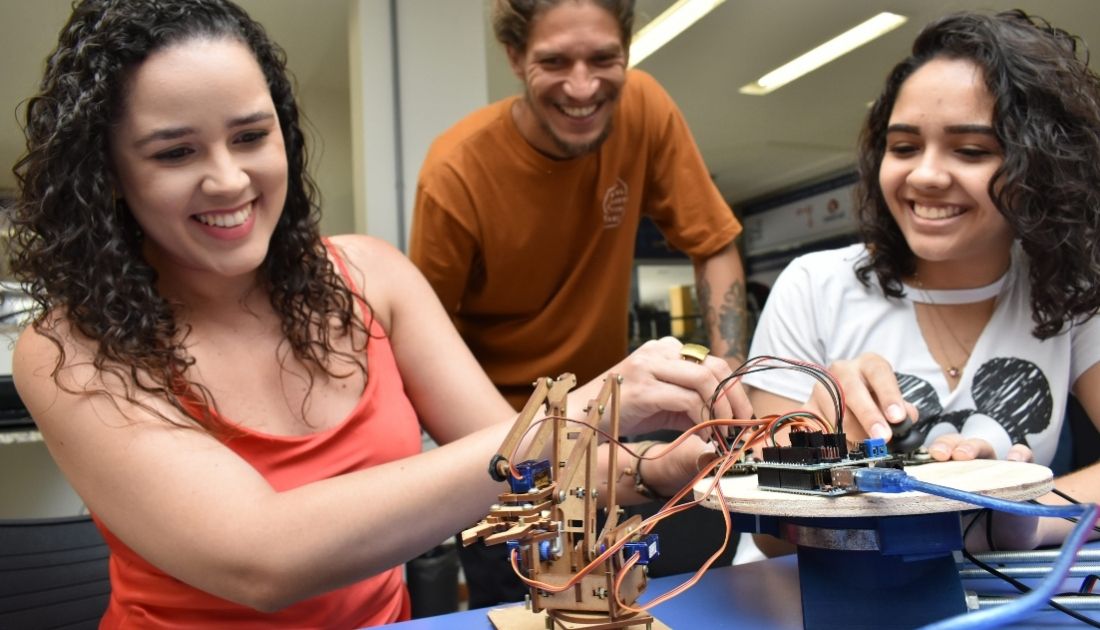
<point>952,370</point>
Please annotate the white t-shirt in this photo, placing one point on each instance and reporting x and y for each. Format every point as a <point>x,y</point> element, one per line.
<point>1013,389</point>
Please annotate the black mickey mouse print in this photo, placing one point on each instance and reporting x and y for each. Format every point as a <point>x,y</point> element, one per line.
<point>1014,392</point>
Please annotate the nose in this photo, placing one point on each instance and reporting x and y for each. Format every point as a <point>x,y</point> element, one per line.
<point>581,84</point>
<point>930,172</point>
<point>224,176</point>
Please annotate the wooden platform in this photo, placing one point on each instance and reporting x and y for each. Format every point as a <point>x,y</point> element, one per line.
<point>1015,481</point>
<point>521,618</point>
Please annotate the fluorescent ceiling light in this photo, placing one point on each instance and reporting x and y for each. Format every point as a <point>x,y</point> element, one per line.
<point>840,45</point>
<point>674,20</point>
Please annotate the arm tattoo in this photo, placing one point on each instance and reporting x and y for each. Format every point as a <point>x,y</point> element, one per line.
<point>730,318</point>
<point>733,321</point>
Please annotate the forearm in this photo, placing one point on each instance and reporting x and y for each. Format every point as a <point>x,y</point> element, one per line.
<point>720,288</point>
<point>1011,532</point>
<point>663,472</point>
<point>1083,486</point>
<point>349,527</point>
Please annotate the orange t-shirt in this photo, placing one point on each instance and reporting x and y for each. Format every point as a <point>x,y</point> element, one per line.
<point>532,256</point>
<point>383,427</point>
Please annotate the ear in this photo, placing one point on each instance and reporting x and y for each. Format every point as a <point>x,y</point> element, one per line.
<point>515,60</point>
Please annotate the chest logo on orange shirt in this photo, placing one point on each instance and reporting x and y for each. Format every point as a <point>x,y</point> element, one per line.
<point>614,204</point>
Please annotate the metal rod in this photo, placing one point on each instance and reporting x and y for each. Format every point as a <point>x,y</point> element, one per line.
<point>1073,602</point>
<point>969,571</point>
<point>1050,555</point>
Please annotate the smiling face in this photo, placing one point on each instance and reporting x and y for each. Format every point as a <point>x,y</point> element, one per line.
<point>199,157</point>
<point>941,153</point>
<point>573,71</point>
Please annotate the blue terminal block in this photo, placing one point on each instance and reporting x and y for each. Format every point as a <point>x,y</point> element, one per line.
<point>646,548</point>
<point>534,475</point>
<point>875,447</point>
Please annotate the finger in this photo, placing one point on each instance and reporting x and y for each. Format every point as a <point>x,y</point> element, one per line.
<point>912,411</point>
<point>693,378</point>
<point>739,401</point>
<point>942,447</point>
<point>1020,453</point>
<point>883,384</point>
<point>726,392</point>
<point>862,406</point>
<point>667,393</point>
<point>821,404</point>
<point>973,448</point>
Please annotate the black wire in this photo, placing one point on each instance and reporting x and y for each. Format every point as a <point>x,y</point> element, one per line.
<point>1064,495</point>
<point>1020,586</point>
<point>819,374</point>
<point>1088,584</point>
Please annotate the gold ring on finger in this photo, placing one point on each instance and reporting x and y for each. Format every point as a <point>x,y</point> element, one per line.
<point>694,352</point>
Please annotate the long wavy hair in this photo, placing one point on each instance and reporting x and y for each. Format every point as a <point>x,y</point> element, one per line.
<point>512,19</point>
<point>78,250</point>
<point>1047,119</point>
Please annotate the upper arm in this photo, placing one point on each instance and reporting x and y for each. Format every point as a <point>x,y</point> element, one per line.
<point>451,393</point>
<point>175,495</point>
<point>680,195</point>
<point>765,403</point>
<point>1087,390</point>
<point>443,248</point>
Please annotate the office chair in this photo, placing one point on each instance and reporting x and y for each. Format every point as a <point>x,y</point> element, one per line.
<point>53,573</point>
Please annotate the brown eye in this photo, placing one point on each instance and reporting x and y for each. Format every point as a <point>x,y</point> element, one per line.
<point>250,137</point>
<point>173,155</point>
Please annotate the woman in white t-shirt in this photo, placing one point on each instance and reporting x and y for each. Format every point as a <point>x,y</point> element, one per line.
<point>968,309</point>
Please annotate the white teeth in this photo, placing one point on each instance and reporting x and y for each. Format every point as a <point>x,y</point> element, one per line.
<point>937,212</point>
<point>225,219</point>
<point>578,112</point>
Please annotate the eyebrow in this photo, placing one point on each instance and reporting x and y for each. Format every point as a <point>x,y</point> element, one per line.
<point>608,50</point>
<point>172,133</point>
<point>954,129</point>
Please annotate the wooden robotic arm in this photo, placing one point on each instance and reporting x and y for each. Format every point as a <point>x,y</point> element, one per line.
<point>548,516</point>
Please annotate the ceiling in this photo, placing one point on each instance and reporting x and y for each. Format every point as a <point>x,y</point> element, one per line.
<point>754,145</point>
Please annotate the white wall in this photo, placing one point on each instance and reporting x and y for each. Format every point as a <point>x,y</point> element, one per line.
<point>327,114</point>
<point>437,77</point>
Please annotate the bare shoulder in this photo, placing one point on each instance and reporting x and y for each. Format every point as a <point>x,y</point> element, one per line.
<point>39,355</point>
<point>366,251</point>
<point>387,278</point>
<point>55,372</point>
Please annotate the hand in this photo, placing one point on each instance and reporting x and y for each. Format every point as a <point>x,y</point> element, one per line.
<point>957,447</point>
<point>871,394</point>
<point>667,471</point>
<point>661,390</point>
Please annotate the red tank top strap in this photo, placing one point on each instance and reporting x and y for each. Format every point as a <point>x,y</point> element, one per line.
<point>345,274</point>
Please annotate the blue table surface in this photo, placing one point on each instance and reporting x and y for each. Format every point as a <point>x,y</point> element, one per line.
<point>761,595</point>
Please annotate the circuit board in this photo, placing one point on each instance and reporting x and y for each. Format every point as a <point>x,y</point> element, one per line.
<point>816,462</point>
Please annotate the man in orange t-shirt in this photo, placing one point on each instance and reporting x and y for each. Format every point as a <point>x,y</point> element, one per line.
<point>527,210</point>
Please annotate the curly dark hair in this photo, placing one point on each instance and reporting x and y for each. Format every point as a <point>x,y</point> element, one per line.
<point>512,19</point>
<point>78,250</point>
<point>1047,119</point>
